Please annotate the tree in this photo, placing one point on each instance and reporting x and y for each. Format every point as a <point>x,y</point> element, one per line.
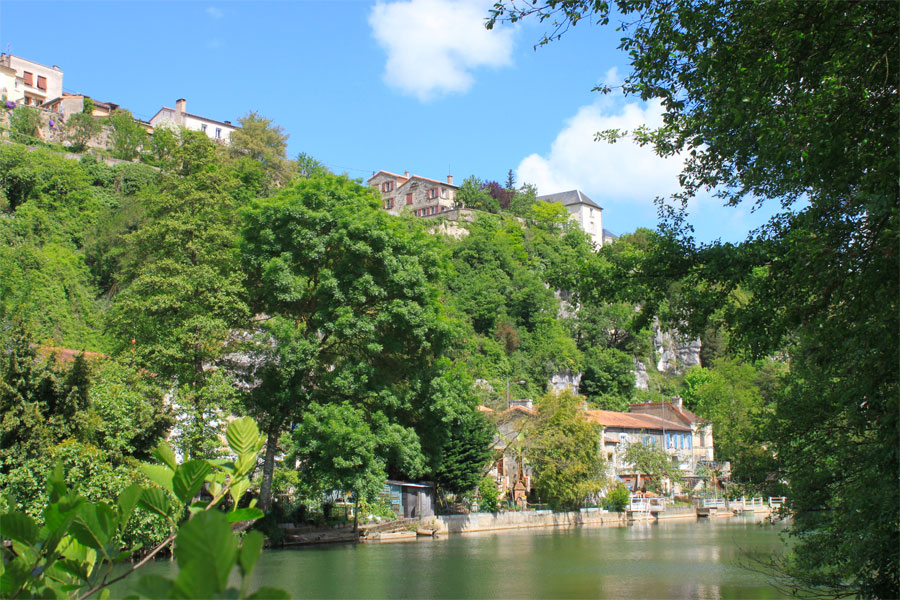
<point>745,88</point>
<point>472,194</point>
<point>126,135</point>
<point>24,123</point>
<point>608,378</point>
<point>80,128</point>
<point>259,140</point>
<point>564,450</point>
<point>354,288</point>
<point>466,454</point>
<point>651,461</point>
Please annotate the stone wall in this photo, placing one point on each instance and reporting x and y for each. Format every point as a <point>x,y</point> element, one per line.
<point>474,522</point>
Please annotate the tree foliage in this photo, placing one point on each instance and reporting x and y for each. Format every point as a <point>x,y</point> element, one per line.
<point>745,89</point>
<point>563,450</point>
<point>126,135</point>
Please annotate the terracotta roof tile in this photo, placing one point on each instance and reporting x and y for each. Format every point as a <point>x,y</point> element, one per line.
<point>610,418</point>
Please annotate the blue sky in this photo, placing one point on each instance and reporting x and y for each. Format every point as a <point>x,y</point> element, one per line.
<point>399,85</point>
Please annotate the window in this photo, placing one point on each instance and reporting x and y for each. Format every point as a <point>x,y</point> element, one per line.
<point>203,127</point>
<point>444,192</point>
<point>409,198</point>
<point>42,83</point>
<point>389,203</point>
<point>218,133</point>
<point>29,78</point>
<point>387,186</point>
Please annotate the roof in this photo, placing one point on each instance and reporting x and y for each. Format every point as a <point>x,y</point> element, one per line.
<point>483,408</point>
<point>569,198</point>
<point>682,412</point>
<point>187,114</point>
<point>406,179</point>
<point>522,409</point>
<point>609,234</point>
<point>611,418</point>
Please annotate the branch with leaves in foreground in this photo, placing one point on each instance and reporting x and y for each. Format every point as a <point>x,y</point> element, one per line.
<point>78,551</point>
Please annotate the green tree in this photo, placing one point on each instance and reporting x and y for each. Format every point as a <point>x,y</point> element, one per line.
<point>651,461</point>
<point>464,457</point>
<point>471,194</point>
<point>80,128</point>
<point>564,450</point>
<point>126,136</point>
<point>488,495</point>
<point>745,88</point>
<point>24,124</point>
<point>608,378</point>
<point>356,288</point>
<point>265,143</point>
<point>549,214</point>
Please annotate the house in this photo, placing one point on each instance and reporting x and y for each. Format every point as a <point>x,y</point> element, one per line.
<point>219,131</point>
<point>70,104</point>
<point>582,210</point>
<point>510,470</point>
<point>700,442</point>
<point>419,196</point>
<point>34,83</point>
<point>409,500</point>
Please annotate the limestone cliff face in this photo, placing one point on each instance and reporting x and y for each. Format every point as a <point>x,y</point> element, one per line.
<point>675,353</point>
<point>641,379</point>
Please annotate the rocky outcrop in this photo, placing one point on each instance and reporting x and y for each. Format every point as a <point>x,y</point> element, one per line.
<point>641,379</point>
<point>675,353</point>
<point>565,380</point>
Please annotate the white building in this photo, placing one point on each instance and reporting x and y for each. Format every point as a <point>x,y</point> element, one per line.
<point>219,131</point>
<point>32,83</point>
<point>583,210</point>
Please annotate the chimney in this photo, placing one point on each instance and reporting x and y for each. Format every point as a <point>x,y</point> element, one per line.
<point>450,179</point>
<point>676,400</point>
<point>180,105</point>
<point>228,122</point>
<point>406,174</point>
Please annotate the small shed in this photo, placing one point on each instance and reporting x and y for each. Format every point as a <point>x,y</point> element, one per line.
<point>411,500</point>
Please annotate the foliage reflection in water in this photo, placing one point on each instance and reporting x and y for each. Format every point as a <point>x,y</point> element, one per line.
<point>676,559</point>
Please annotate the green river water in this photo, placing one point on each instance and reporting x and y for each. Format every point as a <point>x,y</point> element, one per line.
<point>675,559</point>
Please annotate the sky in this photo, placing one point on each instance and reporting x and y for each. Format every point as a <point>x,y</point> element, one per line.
<point>395,85</point>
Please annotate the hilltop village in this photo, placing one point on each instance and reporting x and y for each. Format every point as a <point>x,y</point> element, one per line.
<point>463,356</point>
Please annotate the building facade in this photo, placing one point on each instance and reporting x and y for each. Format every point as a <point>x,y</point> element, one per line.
<point>413,194</point>
<point>219,131</point>
<point>582,210</point>
<point>33,84</point>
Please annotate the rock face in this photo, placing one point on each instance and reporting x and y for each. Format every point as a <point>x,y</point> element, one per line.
<point>641,379</point>
<point>565,380</point>
<point>675,352</point>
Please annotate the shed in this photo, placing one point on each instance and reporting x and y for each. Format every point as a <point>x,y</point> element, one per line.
<point>411,500</point>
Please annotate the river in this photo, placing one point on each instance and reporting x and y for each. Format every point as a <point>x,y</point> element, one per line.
<point>673,559</point>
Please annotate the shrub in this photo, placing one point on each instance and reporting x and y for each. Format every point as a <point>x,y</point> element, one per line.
<point>487,489</point>
<point>617,499</point>
<point>81,128</point>
<point>24,123</point>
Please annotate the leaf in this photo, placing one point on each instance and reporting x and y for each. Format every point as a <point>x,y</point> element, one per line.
<point>104,594</point>
<point>20,527</point>
<point>245,463</point>
<point>165,454</point>
<point>94,526</point>
<point>56,481</point>
<point>156,500</point>
<point>243,436</point>
<point>15,574</point>
<point>237,489</point>
<point>244,514</point>
<point>251,547</point>
<point>159,475</point>
<point>189,478</point>
<point>207,539</point>
<point>198,579</point>
<point>126,502</point>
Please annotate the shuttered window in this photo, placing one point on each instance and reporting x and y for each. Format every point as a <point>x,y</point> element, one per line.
<point>409,198</point>
<point>42,83</point>
<point>29,78</point>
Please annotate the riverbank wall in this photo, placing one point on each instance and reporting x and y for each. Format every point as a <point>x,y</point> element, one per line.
<point>473,522</point>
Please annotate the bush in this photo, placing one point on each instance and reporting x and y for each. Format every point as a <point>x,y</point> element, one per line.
<point>24,124</point>
<point>617,499</point>
<point>487,490</point>
<point>80,129</point>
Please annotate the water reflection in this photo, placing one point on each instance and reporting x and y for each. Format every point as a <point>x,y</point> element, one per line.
<point>680,559</point>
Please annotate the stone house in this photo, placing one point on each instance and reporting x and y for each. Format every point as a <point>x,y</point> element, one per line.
<point>510,469</point>
<point>32,83</point>
<point>583,211</point>
<point>219,131</point>
<point>699,445</point>
<point>416,195</point>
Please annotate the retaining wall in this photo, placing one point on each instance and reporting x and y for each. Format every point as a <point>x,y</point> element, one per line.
<point>522,520</point>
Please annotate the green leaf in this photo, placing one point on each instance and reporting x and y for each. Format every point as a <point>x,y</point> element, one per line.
<point>251,547</point>
<point>159,475</point>
<point>104,594</point>
<point>189,478</point>
<point>244,514</point>
<point>156,500</point>
<point>243,436</point>
<point>237,489</point>
<point>165,454</point>
<point>15,574</point>
<point>126,502</point>
<point>245,463</point>
<point>94,526</point>
<point>198,579</point>
<point>20,527</point>
<point>207,539</point>
<point>57,483</point>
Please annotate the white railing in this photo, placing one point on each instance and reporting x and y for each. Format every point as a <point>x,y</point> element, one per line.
<point>648,505</point>
<point>776,501</point>
<point>714,503</point>
<point>752,502</point>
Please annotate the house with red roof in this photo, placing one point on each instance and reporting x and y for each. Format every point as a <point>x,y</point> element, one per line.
<point>414,194</point>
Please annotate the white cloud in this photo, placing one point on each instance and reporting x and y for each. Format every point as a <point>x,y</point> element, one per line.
<point>215,13</point>
<point>433,46</point>
<point>620,173</point>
